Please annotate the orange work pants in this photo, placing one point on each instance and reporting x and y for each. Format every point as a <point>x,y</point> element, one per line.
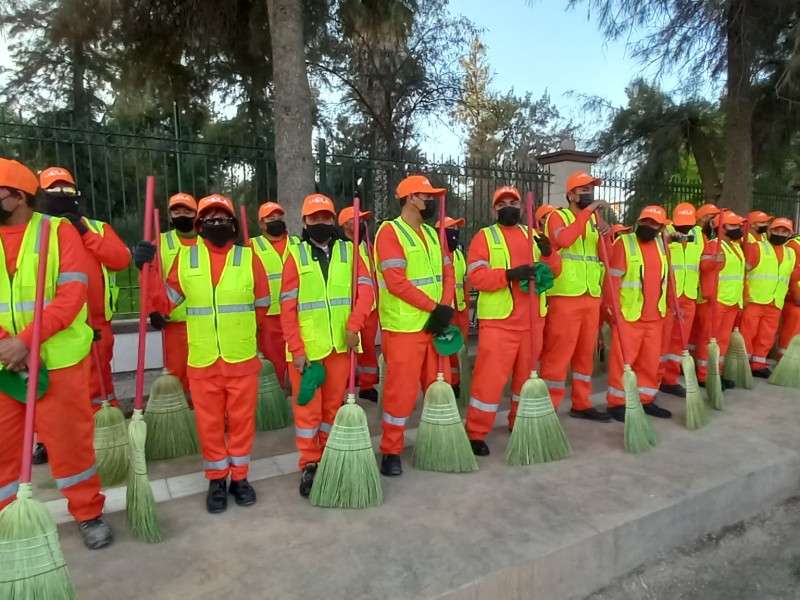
<point>460,320</point>
<point>217,399</point>
<point>672,341</point>
<point>570,337</point>
<point>313,422</point>
<point>643,345</point>
<point>698,326</point>
<point>726,318</point>
<point>790,325</point>
<point>273,346</point>
<point>64,423</point>
<point>105,352</point>
<point>177,346</point>
<point>368,359</point>
<point>759,327</point>
<point>411,361</point>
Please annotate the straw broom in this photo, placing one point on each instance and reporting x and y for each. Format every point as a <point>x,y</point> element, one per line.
<point>442,443</point>
<point>141,505</point>
<point>537,436</point>
<point>172,431</point>
<point>787,371</point>
<point>737,365</point>
<point>713,380</point>
<point>32,565</point>
<point>347,475</point>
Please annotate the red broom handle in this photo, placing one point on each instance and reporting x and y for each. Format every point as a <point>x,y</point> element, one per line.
<point>35,358</point>
<point>532,283</point>
<point>354,292</point>
<point>614,299</point>
<point>374,272</point>
<point>96,361</point>
<point>243,219</point>
<point>443,244</point>
<point>740,314</point>
<point>149,205</point>
<point>157,227</point>
<point>715,306</point>
<point>673,288</point>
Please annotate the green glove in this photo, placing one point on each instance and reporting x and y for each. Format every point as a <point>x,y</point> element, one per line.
<point>313,378</point>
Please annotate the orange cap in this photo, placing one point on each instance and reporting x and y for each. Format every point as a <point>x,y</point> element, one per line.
<point>782,222</point>
<point>417,184</point>
<point>580,179</point>
<point>729,218</point>
<point>52,174</point>
<point>543,211</point>
<point>657,213</point>
<point>182,199</point>
<point>619,228</point>
<point>757,216</point>
<point>317,203</point>
<point>215,201</point>
<point>15,175</point>
<point>268,208</point>
<point>450,223</point>
<point>706,210</point>
<point>507,191</point>
<point>684,214</point>
<point>348,213</point>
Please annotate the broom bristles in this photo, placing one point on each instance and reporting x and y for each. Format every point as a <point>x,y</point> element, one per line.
<point>537,436</point>
<point>272,408</point>
<point>787,371</point>
<point>111,445</point>
<point>171,428</point>
<point>32,565</point>
<point>713,381</point>
<point>640,436</point>
<point>141,505</point>
<point>696,414</point>
<point>737,365</point>
<point>465,370</point>
<point>442,443</point>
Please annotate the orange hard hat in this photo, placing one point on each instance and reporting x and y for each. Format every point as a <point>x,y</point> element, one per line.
<point>15,175</point>
<point>580,179</point>
<point>417,184</point>
<point>183,199</point>
<point>728,218</point>
<point>543,211</point>
<point>684,214</point>
<point>706,210</point>
<point>268,208</point>
<point>656,213</point>
<point>348,214</point>
<point>782,222</point>
<point>450,223</point>
<point>507,191</point>
<point>215,201</point>
<point>757,216</point>
<point>317,203</point>
<point>52,175</point>
<point>619,228</point>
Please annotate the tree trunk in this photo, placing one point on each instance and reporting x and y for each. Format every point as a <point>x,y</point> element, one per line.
<point>701,150</point>
<point>292,108</point>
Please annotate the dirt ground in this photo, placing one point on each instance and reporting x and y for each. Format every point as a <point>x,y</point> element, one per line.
<point>757,559</point>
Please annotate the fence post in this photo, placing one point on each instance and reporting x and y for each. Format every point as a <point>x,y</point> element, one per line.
<point>322,155</point>
<point>177,124</point>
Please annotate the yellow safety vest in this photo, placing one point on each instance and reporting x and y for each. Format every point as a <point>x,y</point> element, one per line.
<point>581,269</point>
<point>424,268</point>
<point>686,264</point>
<point>109,278</point>
<point>769,280</point>
<point>168,248</point>
<point>273,265</point>
<point>499,303</point>
<point>632,288</point>
<point>731,277</point>
<point>460,268</point>
<point>221,319</point>
<point>323,307</point>
<point>18,293</point>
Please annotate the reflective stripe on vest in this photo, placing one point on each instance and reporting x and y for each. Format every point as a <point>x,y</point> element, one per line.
<point>221,319</point>
<point>769,280</point>
<point>731,277</point>
<point>67,347</point>
<point>460,268</point>
<point>631,297</point>
<point>686,264</point>
<point>109,279</point>
<point>273,265</point>
<point>581,269</point>
<point>168,248</point>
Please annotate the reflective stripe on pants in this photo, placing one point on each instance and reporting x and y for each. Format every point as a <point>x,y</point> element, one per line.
<point>669,371</point>
<point>643,344</point>
<point>725,321</point>
<point>759,327</point>
<point>368,359</point>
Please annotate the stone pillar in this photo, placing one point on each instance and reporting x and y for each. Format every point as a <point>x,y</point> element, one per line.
<point>561,164</point>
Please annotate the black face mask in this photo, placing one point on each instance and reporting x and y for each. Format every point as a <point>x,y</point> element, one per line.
<point>585,200</point>
<point>320,232</point>
<point>735,234</point>
<point>57,205</point>
<point>276,228</point>
<point>5,215</point>
<point>759,228</point>
<point>684,229</point>
<point>183,224</point>
<point>429,210</point>
<point>508,216</point>
<point>218,235</point>
<point>452,239</point>
<point>778,240</point>
<point>646,234</point>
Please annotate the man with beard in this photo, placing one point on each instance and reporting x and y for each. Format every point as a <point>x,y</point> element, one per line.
<point>226,294</point>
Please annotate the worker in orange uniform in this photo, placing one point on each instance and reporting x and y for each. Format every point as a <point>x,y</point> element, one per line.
<point>790,320</point>
<point>182,215</point>
<point>320,324</point>
<point>573,314</point>
<point>759,225</point>
<point>226,294</point>
<point>639,269</point>
<point>416,286</point>
<point>500,258</point>
<point>63,418</point>
<point>461,299</point>
<point>541,216</point>
<point>686,249</point>
<point>770,264</point>
<point>272,247</point>
<point>368,371</point>
<point>724,259</point>
<point>705,214</point>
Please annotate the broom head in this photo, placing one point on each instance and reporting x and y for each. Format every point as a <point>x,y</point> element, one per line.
<point>696,414</point>
<point>141,505</point>
<point>640,436</point>
<point>713,381</point>
<point>111,445</point>
<point>737,365</point>
<point>171,428</point>
<point>787,371</point>
<point>272,408</point>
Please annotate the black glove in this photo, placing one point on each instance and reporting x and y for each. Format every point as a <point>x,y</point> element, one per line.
<point>144,252</point>
<point>520,273</point>
<point>96,337</point>
<point>77,221</point>
<point>440,319</point>
<point>157,320</point>
<point>545,247</point>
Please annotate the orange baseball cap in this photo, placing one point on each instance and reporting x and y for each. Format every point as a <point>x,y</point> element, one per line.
<point>450,223</point>
<point>782,222</point>
<point>729,218</point>
<point>417,184</point>
<point>183,199</point>
<point>706,210</point>
<point>215,201</point>
<point>348,214</point>
<point>507,191</point>
<point>757,216</point>
<point>268,208</point>
<point>580,179</point>
<point>317,203</point>
<point>543,211</point>
<point>53,174</point>
<point>657,213</point>
<point>15,175</point>
<point>619,228</point>
<point>684,214</point>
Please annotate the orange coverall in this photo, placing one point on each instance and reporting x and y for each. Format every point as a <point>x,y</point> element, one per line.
<point>271,342</point>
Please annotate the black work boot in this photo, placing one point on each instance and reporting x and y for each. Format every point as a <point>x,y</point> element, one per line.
<point>727,384</point>
<point>242,492</point>
<point>652,409</point>
<point>40,455</point>
<point>391,465</point>
<point>617,413</point>
<point>371,394</point>
<point>590,414</point>
<point>307,479</point>
<point>762,373</point>
<point>675,389</point>
<point>217,497</point>
<point>479,448</point>
<point>96,534</point>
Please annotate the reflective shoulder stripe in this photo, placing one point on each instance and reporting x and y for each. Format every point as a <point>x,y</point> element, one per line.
<point>301,249</point>
<point>633,247</point>
<point>260,241</point>
<point>399,226</point>
<point>170,237</point>
<point>343,252</point>
<point>495,234</point>
<point>237,256</point>
<point>70,276</point>
<point>194,257</point>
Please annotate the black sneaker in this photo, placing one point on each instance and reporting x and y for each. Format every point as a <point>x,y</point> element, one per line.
<point>307,479</point>
<point>242,492</point>
<point>479,448</point>
<point>217,497</point>
<point>762,373</point>
<point>391,465</point>
<point>728,384</point>
<point>371,394</point>
<point>673,390</point>
<point>617,413</point>
<point>40,455</point>
<point>590,414</point>
<point>96,534</point>
<point>652,409</point>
